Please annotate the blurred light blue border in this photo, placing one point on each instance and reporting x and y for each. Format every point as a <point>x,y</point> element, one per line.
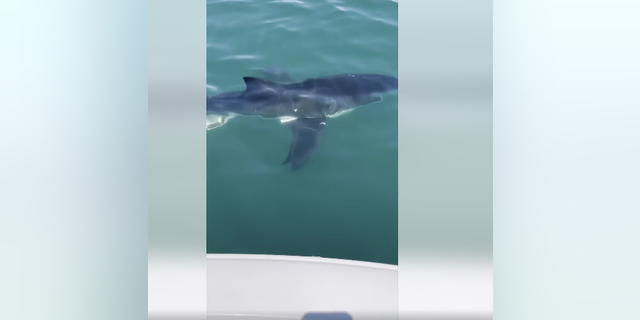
<point>73,159</point>
<point>177,159</point>
<point>445,159</point>
<point>566,159</point>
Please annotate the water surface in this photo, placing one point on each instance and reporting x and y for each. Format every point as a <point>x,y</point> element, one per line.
<point>344,203</point>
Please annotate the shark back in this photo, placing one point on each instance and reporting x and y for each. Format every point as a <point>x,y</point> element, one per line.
<point>350,84</point>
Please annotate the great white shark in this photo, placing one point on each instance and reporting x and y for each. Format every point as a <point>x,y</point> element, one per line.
<point>303,106</point>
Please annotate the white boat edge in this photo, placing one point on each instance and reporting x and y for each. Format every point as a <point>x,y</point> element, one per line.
<point>314,259</point>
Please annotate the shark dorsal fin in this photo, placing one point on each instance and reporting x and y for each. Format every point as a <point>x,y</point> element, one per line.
<point>257,85</point>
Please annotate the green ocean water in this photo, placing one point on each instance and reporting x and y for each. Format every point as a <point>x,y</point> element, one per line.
<point>344,203</point>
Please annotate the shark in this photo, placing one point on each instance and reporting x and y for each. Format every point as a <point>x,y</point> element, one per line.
<point>303,106</point>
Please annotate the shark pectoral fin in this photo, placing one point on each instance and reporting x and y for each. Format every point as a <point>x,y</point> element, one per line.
<point>306,135</point>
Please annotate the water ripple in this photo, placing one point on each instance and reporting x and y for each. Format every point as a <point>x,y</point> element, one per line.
<point>241,57</point>
<point>356,164</point>
<point>277,20</point>
<point>290,1</point>
<point>213,2</point>
<point>368,16</point>
<point>218,46</point>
